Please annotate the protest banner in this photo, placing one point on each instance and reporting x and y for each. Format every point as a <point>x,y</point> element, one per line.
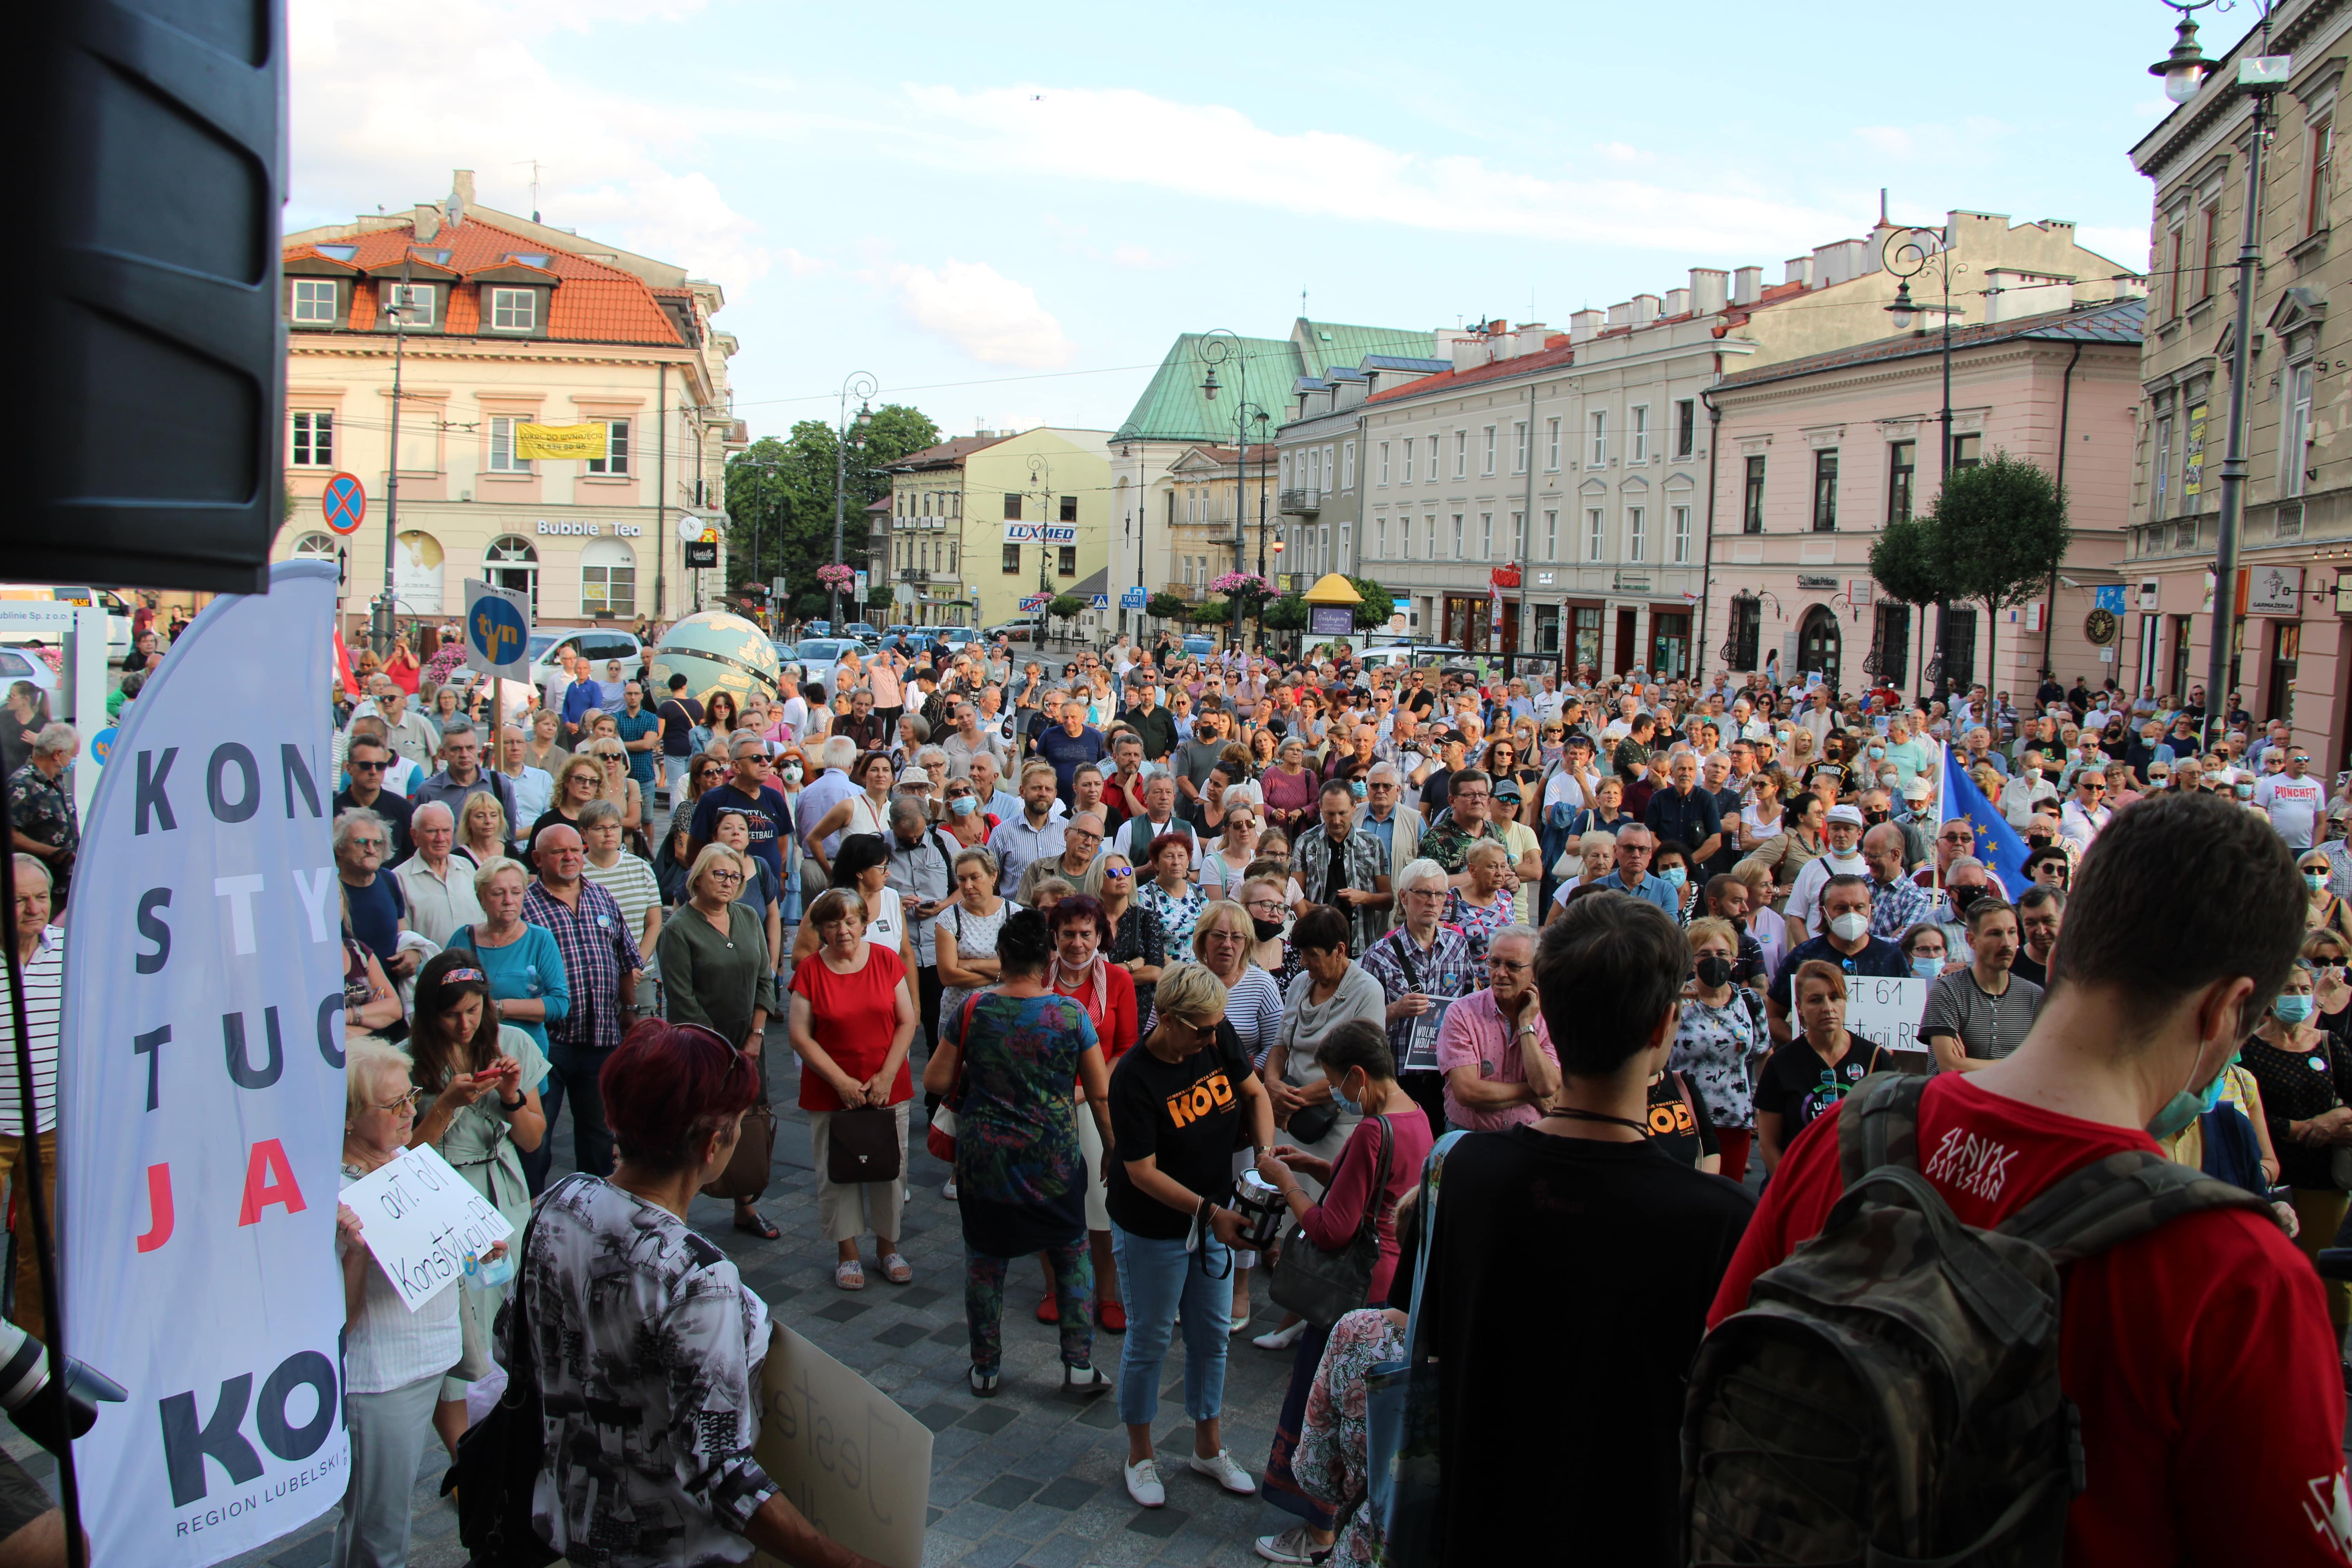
<point>855,1464</point>
<point>201,1095</point>
<point>1887,1011</point>
<point>422,1223</point>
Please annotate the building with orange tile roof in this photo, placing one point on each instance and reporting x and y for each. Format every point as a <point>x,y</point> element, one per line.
<point>505,322</point>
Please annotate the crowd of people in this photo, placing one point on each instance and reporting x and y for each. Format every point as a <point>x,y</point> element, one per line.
<point>1198,958</point>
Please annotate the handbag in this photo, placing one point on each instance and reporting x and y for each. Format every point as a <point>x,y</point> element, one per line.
<point>1400,1411</point>
<point>1321,1287</point>
<point>496,1468</point>
<point>746,1175</point>
<point>862,1145</point>
<point>940,1138</point>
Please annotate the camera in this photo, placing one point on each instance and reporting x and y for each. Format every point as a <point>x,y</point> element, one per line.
<point>24,1378</point>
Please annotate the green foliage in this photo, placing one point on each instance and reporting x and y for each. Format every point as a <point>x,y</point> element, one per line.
<point>1900,561</point>
<point>1166,608</point>
<point>786,486</point>
<point>288,515</point>
<point>1998,532</point>
<point>1066,607</point>
<point>1378,607</point>
<point>878,597</point>
<point>1213,612</point>
<point>1287,614</point>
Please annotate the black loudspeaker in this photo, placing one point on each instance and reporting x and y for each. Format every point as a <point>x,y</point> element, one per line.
<point>151,157</point>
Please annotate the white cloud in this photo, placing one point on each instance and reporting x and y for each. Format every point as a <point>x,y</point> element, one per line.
<point>988,315</point>
<point>382,110</point>
<point>1142,257</point>
<point>1122,137</point>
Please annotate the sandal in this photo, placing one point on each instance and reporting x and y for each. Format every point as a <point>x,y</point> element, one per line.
<point>894,1268</point>
<point>751,1222</point>
<point>849,1275</point>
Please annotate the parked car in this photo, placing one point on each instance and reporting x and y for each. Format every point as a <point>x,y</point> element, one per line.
<point>819,629</point>
<point>1199,645</point>
<point>1405,655</point>
<point>597,645</point>
<point>959,637</point>
<point>21,664</point>
<point>863,632</point>
<point>1020,628</point>
<point>118,613</point>
<point>815,659</point>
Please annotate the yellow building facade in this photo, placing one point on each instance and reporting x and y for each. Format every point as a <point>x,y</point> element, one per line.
<point>981,522</point>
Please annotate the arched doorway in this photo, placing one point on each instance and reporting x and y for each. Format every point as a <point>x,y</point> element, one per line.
<point>1819,645</point>
<point>608,579</point>
<point>512,563</point>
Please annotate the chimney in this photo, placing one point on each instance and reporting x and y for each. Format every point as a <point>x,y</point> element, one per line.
<point>1645,309</point>
<point>1709,288</point>
<point>1470,352</point>
<point>1583,325</point>
<point>1620,314</point>
<point>1532,337</point>
<point>1678,302</point>
<point>462,182</point>
<point>1798,269</point>
<point>426,223</point>
<point>1747,285</point>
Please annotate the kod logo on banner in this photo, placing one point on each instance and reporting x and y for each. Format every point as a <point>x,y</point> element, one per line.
<point>201,1101</point>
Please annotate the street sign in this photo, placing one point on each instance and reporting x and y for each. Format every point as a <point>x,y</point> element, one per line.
<point>1034,601</point>
<point>1102,601</point>
<point>101,745</point>
<point>701,555</point>
<point>343,503</point>
<point>1131,599</point>
<point>497,631</point>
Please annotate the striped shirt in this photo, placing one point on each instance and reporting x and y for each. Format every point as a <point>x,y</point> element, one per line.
<point>45,986</point>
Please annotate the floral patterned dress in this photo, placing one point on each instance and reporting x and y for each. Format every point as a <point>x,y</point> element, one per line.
<point>1177,913</point>
<point>1020,1178</point>
<point>1479,925</point>
<point>1719,1049</point>
<point>1330,1463</point>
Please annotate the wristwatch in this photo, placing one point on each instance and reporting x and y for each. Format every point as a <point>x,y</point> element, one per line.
<point>511,1106</point>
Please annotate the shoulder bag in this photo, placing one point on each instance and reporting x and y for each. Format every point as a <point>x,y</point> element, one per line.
<point>499,1460</point>
<point>862,1145</point>
<point>747,1168</point>
<point>1321,1287</point>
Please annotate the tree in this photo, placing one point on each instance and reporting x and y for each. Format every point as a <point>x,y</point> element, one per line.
<point>1287,614</point>
<point>1900,560</point>
<point>1213,612</point>
<point>1166,608</point>
<point>1067,608</point>
<point>1997,533</point>
<point>879,596</point>
<point>1377,605</point>
<point>785,488</point>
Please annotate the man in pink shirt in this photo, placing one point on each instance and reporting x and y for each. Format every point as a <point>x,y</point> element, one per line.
<point>1492,1047</point>
<point>884,679</point>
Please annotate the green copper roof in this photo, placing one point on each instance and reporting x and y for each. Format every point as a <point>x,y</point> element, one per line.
<point>1263,371</point>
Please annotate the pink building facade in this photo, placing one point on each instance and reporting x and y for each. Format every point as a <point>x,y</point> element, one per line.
<point>1813,456</point>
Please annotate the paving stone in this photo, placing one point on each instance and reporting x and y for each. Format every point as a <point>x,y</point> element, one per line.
<point>1067,1493</point>
<point>1061,1550</point>
<point>1158,1522</point>
<point>953,1334</point>
<point>841,1311</point>
<point>1006,1492</point>
<point>995,1551</point>
<point>916,1295</point>
<point>991,1419</point>
<point>941,1417</point>
<point>899,1336</point>
<point>310,1552</point>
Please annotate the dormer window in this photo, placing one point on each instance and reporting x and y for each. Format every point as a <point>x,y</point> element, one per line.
<point>315,302</point>
<point>415,304</point>
<point>514,309</point>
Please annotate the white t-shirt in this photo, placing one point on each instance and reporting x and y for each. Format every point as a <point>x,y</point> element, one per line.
<point>2294,805</point>
<point>795,715</point>
<point>887,924</point>
<point>1805,893</point>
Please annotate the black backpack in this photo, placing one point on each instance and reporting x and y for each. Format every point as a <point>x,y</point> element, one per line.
<point>1891,1394</point>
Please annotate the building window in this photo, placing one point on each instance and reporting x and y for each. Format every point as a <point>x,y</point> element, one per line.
<point>1487,465</point>
<point>1902,476</point>
<point>1013,563</point>
<point>1346,547</point>
<point>1404,530</point>
<point>2210,257</point>
<point>314,302</point>
<point>1825,492</point>
<point>1013,504</point>
<point>2159,491</point>
<point>1518,536</point>
<point>1641,434</point>
<point>616,459</point>
<point>1682,516</point>
<point>1519,446</point>
<point>2295,451</point>
<point>511,562</point>
<point>608,579</point>
<point>1486,536</point>
<point>2322,160</point>
<point>1384,463</point>
<point>1635,534</point>
<point>1405,477</point>
<point>1457,536</point>
<point>1751,505</point>
<point>503,452</point>
<point>1461,454</point>
<point>412,301</point>
<point>514,309</point>
<point>1594,531</point>
<point>2175,257</point>
<point>1600,439</point>
<point>1348,467</point>
<point>1686,427</point>
<point>1552,536</point>
<point>1069,509</point>
<point>1747,630</point>
<point>1551,445</point>
<point>314,440</point>
<point>1968,452</point>
<point>1432,461</point>
<point>1068,565</point>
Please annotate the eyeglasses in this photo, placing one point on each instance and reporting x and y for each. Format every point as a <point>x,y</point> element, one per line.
<point>356,765</point>
<point>406,1102</point>
<point>1126,875</point>
<point>366,843</point>
<point>719,874</point>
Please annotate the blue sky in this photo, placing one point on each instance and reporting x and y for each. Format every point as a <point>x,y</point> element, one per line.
<point>1004,214</point>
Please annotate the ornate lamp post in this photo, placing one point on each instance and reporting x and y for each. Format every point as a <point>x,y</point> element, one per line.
<point>1217,347</point>
<point>862,386</point>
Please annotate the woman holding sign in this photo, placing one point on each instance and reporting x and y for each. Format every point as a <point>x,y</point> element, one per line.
<point>393,1359</point>
<point>482,1115</point>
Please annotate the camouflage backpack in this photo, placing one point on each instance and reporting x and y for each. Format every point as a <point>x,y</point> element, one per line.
<point>1891,1394</point>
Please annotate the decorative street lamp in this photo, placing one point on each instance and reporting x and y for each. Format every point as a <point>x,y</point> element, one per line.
<point>1217,346</point>
<point>1907,253</point>
<point>862,386</point>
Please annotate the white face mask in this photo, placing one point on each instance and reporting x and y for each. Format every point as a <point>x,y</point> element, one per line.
<point>1850,927</point>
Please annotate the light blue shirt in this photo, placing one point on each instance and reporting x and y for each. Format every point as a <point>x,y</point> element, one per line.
<point>1652,888</point>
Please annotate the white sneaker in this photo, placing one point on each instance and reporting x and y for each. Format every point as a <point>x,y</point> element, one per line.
<point>1143,1484</point>
<point>1281,1339</point>
<point>948,1191</point>
<point>1293,1546</point>
<point>1221,1469</point>
<point>1084,1380</point>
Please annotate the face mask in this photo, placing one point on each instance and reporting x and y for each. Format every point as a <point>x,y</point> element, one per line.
<point>2294,1009</point>
<point>2315,880</point>
<point>2245,791</point>
<point>964,804</point>
<point>1267,930</point>
<point>1877,751</point>
<point>1674,876</point>
<point>2038,840</point>
<point>1339,1098</point>
<point>791,773</point>
<point>1927,967</point>
<point>1356,788</point>
<point>2179,1111</point>
<point>1714,970</point>
<point>1850,928</point>
<point>1874,818</point>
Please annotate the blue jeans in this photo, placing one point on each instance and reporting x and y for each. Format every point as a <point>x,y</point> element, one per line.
<point>1160,1279</point>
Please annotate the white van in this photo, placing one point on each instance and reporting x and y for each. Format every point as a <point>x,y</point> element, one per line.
<point>117,612</point>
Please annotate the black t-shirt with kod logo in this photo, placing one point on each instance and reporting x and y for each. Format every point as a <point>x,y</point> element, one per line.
<point>1799,1085</point>
<point>1185,1116</point>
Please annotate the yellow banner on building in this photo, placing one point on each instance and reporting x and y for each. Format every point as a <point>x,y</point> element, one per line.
<point>561,440</point>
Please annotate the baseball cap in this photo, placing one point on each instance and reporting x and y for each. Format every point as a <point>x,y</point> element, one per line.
<point>1506,789</point>
<point>1917,789</point>
<point>914,776</point>
<point>1846,814</point>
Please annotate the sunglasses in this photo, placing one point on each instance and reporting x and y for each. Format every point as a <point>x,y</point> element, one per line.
<point>360,767</point>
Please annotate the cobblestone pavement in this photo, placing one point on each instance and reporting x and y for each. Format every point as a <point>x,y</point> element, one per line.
<point>1031,1476</point>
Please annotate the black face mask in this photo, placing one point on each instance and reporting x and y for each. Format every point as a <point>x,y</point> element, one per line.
<point>1713,969</point>
<point>1962,898</point>
<point>1267,930</point>
<point>2038,840</point>
<point>1874,818</point>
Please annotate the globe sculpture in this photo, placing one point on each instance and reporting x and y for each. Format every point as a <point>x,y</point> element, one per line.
<point>715,650</point>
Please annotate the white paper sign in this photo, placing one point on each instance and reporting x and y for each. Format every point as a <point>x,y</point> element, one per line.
<point>1886,1011</point>
<point>422,1221</point>
<point>856,1465</point>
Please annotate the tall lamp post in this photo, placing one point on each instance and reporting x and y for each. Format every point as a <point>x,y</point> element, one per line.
<point>862,386</point>
<point>1217,348</point>
<point>398,316</point>
<point>1908,252</point>
<point>2185,71</point>
<point>759,582</point>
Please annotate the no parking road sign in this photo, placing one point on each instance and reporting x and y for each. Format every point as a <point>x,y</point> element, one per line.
<point>344,503</point>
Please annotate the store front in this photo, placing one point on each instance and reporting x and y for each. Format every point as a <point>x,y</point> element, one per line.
<point>1670,632</point>
<point>1821,645</point>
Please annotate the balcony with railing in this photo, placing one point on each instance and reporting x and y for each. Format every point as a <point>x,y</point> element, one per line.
<point>1190,592</point>
<point>1304,502</point>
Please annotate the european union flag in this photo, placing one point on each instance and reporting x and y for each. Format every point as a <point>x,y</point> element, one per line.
<point>1998,845</point>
